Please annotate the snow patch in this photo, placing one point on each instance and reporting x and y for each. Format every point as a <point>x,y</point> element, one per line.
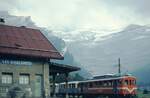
<point>139,37</point>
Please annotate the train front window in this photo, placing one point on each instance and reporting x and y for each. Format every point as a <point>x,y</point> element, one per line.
<point>126,82</point>
<point>134,82</point>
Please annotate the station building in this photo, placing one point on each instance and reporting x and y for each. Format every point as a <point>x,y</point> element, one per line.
<point>25,62</point>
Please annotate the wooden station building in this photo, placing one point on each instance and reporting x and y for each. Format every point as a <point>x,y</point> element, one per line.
<point>25,63</point>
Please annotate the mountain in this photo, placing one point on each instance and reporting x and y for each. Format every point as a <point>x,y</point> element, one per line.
<point>101,56</point>
<point>57,42</point>
<point>98,53</point>
<point>68,57</point>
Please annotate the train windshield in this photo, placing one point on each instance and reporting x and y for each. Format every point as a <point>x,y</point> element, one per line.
<point>129,82</point>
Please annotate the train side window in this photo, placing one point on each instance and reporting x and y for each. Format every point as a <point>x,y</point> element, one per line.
<point>100,83</point>
<point>120,82</point>
<point>69,86</point>
<point>81,85</point>
<point>73,85</point>
<point>85,84</point>
<point>90,84</point>
<point>63,86</point>
<point>105,83</point>
<point>110,83</point>
<point>96,83</point>
<point>77,85</point>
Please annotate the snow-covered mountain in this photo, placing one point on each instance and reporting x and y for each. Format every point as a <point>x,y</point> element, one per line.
<point>132,45</point>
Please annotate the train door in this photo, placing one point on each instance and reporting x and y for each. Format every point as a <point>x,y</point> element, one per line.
<point>115,84</point>
<point>80,86</point>
<point>38,86</point>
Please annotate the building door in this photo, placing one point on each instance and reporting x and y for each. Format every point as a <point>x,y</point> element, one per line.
<point>38,85</point>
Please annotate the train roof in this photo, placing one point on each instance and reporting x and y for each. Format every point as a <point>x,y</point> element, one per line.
<point>71,82</point>
<point>102,79</point>
<point>109,78</point>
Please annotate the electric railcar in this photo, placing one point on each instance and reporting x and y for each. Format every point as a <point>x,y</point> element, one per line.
<point>123,86</point>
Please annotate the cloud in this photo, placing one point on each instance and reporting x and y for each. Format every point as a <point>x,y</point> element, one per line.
<point>68,14</point>
<point>137,7</point>
<point>8,5</point>
<point>73,16</point>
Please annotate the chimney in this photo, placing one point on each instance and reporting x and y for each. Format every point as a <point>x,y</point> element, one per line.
<point>2,20</point>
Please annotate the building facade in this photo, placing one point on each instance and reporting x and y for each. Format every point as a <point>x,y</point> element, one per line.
<point>25,54</point>
<point>31,77</point>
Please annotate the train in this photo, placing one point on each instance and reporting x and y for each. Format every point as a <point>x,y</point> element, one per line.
<point>112,86</point>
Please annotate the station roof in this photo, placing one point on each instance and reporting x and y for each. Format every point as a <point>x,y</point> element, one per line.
<point>61,68</point>
<point>26,42</point>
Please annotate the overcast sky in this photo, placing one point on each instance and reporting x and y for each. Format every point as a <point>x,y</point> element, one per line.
<point>70,15</point>
<point>93,18</point>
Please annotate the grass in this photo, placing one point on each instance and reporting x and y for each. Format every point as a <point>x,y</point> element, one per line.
<point>141,95</point>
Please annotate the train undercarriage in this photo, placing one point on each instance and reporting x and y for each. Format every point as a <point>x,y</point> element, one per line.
<point>94,96</point>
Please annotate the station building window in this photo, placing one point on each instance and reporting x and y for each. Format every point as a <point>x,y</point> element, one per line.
<point>24,79</point>
<point>7,78</point>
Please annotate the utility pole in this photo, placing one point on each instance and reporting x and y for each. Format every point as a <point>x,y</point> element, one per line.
<point>119,67</point>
